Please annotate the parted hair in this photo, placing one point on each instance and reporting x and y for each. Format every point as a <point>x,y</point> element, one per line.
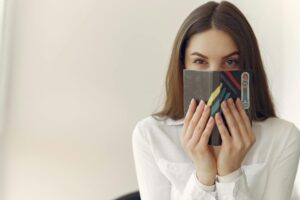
<point>226,17</point>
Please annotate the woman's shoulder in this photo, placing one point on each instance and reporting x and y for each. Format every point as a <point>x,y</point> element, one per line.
<point>157,127</point>
<point>147,123</point>
<point>277,124</point>
<point>147,120</point>
<point>162,136</point>
<point>277,129</point>
<point>152,121</point>
<point>273,135</point>
<point>277,121</point>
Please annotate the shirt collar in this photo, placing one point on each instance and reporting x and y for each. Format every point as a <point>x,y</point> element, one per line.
<point>170,121</point>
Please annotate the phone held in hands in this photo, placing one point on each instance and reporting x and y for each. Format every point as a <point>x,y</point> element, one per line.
<point>213,87</point>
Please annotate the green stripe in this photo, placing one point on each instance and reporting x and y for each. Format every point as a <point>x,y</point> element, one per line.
<point>215,107</point>
<point>227,96</point>
<point>223,93</point>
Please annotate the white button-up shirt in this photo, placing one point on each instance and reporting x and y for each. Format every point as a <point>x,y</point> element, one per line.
<point>166,172</point>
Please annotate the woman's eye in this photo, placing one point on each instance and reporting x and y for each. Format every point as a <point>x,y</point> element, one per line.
<point>199,61</point>
<point>232,63</point>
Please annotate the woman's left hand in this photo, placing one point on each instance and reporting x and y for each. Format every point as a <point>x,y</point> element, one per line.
<point>235,147</point>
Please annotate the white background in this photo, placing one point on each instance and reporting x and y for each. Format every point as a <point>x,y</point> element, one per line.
<point>76,75</point>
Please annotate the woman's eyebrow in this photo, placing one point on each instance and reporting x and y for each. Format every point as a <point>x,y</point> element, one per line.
<point>201,55</point>
<point>231,54</point>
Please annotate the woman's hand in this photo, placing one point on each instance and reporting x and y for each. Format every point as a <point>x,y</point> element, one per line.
<point>235,147</point>
<point>196,132</point>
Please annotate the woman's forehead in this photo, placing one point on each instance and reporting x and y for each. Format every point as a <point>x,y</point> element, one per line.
<point>211,43</point>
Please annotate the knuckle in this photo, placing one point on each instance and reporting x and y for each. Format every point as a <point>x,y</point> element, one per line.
<point>239,146</point>
<point>194,121</point>
<point>248,144</point>
<point>189,147</point>
<point>200,149</point>
<point>228,148</point>
<point>205,135</point>
<point>198,128</point>
<point>185,121</point>
<point>184,141</point>
<point>253,138</point>
<point>234,125</point>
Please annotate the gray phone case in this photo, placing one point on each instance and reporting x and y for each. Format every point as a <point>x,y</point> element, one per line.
<point>214,87</point>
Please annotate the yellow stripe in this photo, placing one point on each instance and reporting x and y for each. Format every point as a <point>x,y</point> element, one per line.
<point>214,94</point>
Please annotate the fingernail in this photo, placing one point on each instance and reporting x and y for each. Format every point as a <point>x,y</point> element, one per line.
<point>239,103</point>
<point>201,102</point>
<point>192,100</point>
<point>218,118</point>
<point>224,103</point>
<point>206,107</point>
<point>230,100</point>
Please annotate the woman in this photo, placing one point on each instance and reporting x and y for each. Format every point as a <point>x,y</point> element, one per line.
<point>172,157</point>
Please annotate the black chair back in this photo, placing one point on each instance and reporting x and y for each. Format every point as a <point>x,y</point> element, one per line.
<point>131,196</point>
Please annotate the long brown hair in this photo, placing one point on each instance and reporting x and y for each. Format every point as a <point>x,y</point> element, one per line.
<point>227,17</point>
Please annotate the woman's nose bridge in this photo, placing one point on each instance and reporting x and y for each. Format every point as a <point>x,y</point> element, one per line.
<point>215,65</point>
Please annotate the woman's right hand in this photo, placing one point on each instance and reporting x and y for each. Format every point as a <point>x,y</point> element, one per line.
<point>196,132</point>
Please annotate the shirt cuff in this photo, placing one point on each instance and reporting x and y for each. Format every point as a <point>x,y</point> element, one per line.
<point>230,177</point>
<point>195,190</point>
<point>207,188</point>
<point>236,186</point>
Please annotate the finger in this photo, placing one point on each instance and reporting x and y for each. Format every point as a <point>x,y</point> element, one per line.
<point>197,132</point>
<point>246,119</point>
<point>233,127</point>
<point>193,122</point>
<point>240,122</point>
<point>243,114</point>
<point>222,128</point>
<point>189,115</point>
<point>207,132</point>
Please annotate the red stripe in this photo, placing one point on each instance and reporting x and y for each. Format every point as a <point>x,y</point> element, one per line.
<point>233,79</point>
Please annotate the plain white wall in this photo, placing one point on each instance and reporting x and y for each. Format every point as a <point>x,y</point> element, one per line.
<point>81,73</point>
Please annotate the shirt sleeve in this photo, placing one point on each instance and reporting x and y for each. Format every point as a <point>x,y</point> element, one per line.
<point>194,190</point>
<point>233,186</point>
<point>282,175</point>
<point>230,177</point>
<point>152,183</point>
<point>208,188</point>
<point>281,179</point>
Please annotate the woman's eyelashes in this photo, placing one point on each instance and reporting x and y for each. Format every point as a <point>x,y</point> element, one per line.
<point>200,61</point>
<point>231,63</point>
